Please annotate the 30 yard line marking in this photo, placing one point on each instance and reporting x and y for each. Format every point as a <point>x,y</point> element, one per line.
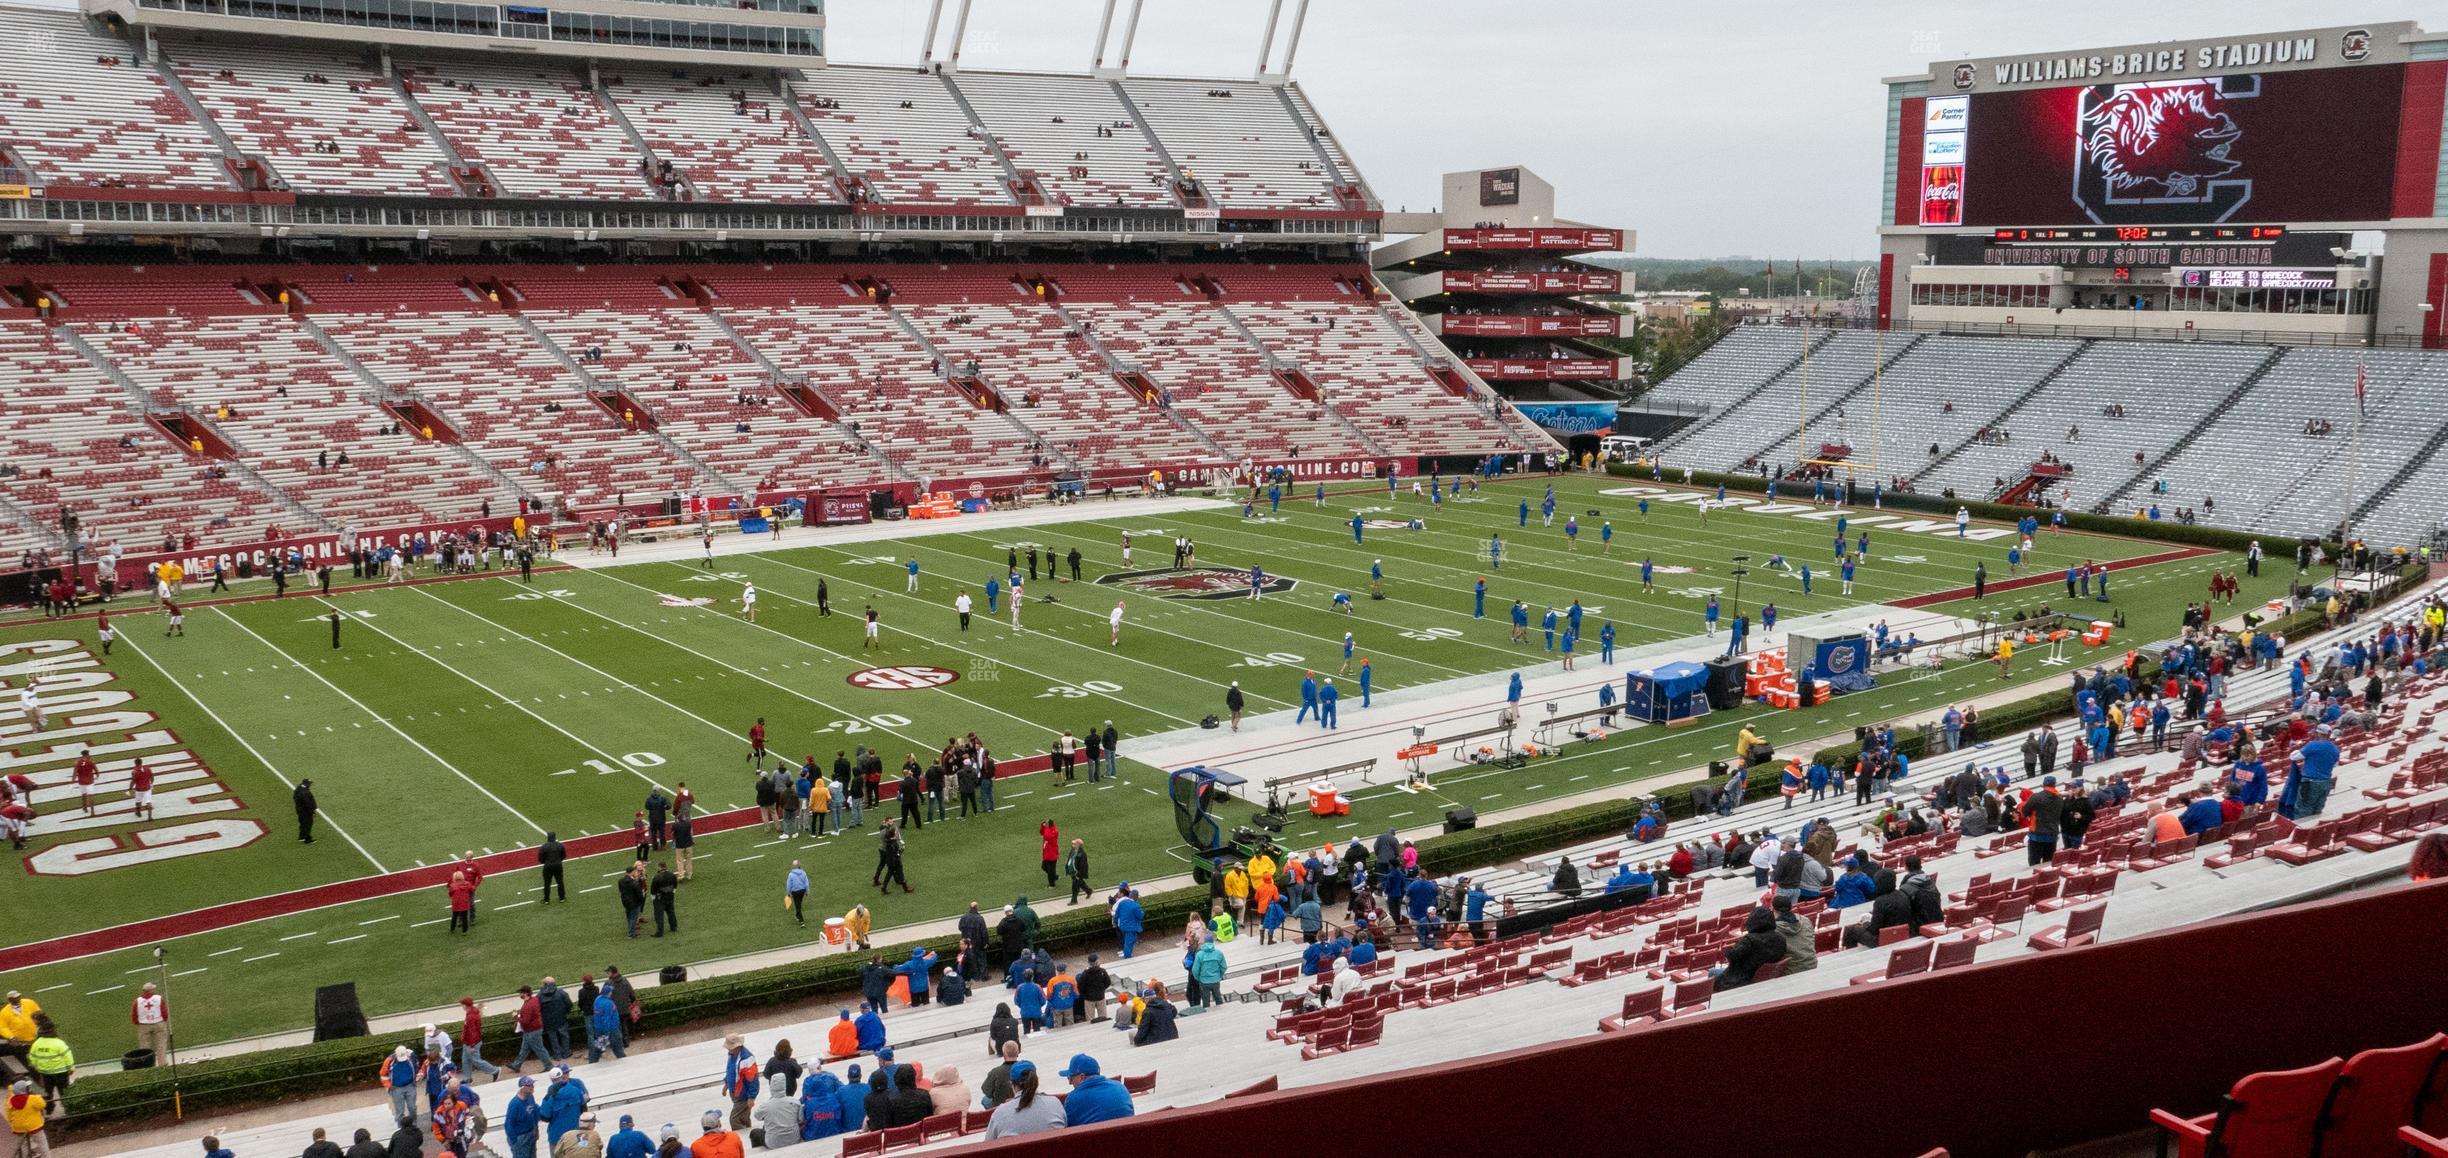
<point>378,717</point>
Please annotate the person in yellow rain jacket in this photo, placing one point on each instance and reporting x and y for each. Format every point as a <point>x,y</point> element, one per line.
<point>17,1016</point>
<point>1236,888</point>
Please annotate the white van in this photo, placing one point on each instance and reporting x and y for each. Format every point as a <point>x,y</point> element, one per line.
<point>1623,447</point>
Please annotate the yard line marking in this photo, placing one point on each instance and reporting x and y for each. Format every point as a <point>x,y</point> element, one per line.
<point>1022,720</point>
<point>377,717</point>
<point>1062,796</point>
<point>1491,796</point>
<point>1109,653</point>
<point>593,889</point>
<point>513,905</point>
<point>1398,816</point>
<point>1585,776</point>
<point>742,859</point>
<point>480,685</point>
<point>347,939</point>
<point>573,603</point>
<point>1016,795</point>
<point>583,664</point>
<point>191,972</point>
<point>435,921</point>
<point>99,992</point>
<point>302,936</point>
<point>140,969</point>
<point>234,734</point>
<point>771,843</point>
<point>378,920</point>
<point>252,960</point>
<point>1353,824</point>
<point>49,988</point>
<point>1532,787</point>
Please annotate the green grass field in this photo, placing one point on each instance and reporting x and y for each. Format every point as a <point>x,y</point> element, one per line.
<point>477,714</point>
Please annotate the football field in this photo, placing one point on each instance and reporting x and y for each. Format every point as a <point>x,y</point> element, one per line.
<point>476,714</point>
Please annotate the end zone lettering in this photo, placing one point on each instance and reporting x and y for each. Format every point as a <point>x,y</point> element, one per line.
<point>93,718</point>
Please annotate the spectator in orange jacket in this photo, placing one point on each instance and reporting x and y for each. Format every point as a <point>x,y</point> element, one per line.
<point>842,1040</point>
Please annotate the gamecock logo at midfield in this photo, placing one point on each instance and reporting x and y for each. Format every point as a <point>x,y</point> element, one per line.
<point>1194,583</point>
<point>2161,152</point>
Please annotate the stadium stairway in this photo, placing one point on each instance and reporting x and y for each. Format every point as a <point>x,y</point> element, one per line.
<point>2108,502</point>
<point>2011,406</point>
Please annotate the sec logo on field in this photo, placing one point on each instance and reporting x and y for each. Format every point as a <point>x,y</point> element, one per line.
<point>906,678</point>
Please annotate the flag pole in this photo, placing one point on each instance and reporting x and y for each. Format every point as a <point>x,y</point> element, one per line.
<point>2354,471</point>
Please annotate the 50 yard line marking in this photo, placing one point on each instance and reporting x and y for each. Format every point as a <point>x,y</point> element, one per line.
<point>379,718</point>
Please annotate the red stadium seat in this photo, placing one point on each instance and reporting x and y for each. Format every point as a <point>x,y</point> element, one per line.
<point>860,1144</point>
<point>1266,1085</point>
<point>1904,962</point>
<point>2266,1115</point>
<point>2376,1094</point>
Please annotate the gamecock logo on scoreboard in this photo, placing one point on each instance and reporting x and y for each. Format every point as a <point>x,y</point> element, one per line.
<point>2141,150</point>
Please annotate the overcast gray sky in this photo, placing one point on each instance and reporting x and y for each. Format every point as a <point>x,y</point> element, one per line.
<point>1712,128</point>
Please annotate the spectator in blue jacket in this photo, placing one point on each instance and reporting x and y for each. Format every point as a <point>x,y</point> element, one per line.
<point>2201,814</point>
<point>562,1104</point>
<point>1031,998</point>
<point>870,1028</point>
<point>820,1106</point>
<point>522,1120</point>
<point>1853,888</point>
<point>1621,881</point>
<point>604,1029</point>
<point>740,1080</point>
<point>629,1141</point>
<point>1094,1097</point>
<point>920,963</point>
<point>1131,920</point>
<point>852,1113</point>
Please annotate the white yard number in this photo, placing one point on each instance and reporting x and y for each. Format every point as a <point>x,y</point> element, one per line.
<point>601,768</point>
<point>1432,634</point>
<point>1081,690</point>
<point>551,593</point>
<point>1271,659</point>
<point>886,720</point>
<point>718,577</point>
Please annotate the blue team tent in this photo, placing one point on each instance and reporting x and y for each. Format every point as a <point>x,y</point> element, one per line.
<point>1670,693</point>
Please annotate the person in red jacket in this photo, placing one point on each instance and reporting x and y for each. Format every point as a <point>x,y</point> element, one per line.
<point>529,1022</point>
<point>462,903</point>
<point>1052,851</point>
<point>471,1042</point>
<point>1680,864</point>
